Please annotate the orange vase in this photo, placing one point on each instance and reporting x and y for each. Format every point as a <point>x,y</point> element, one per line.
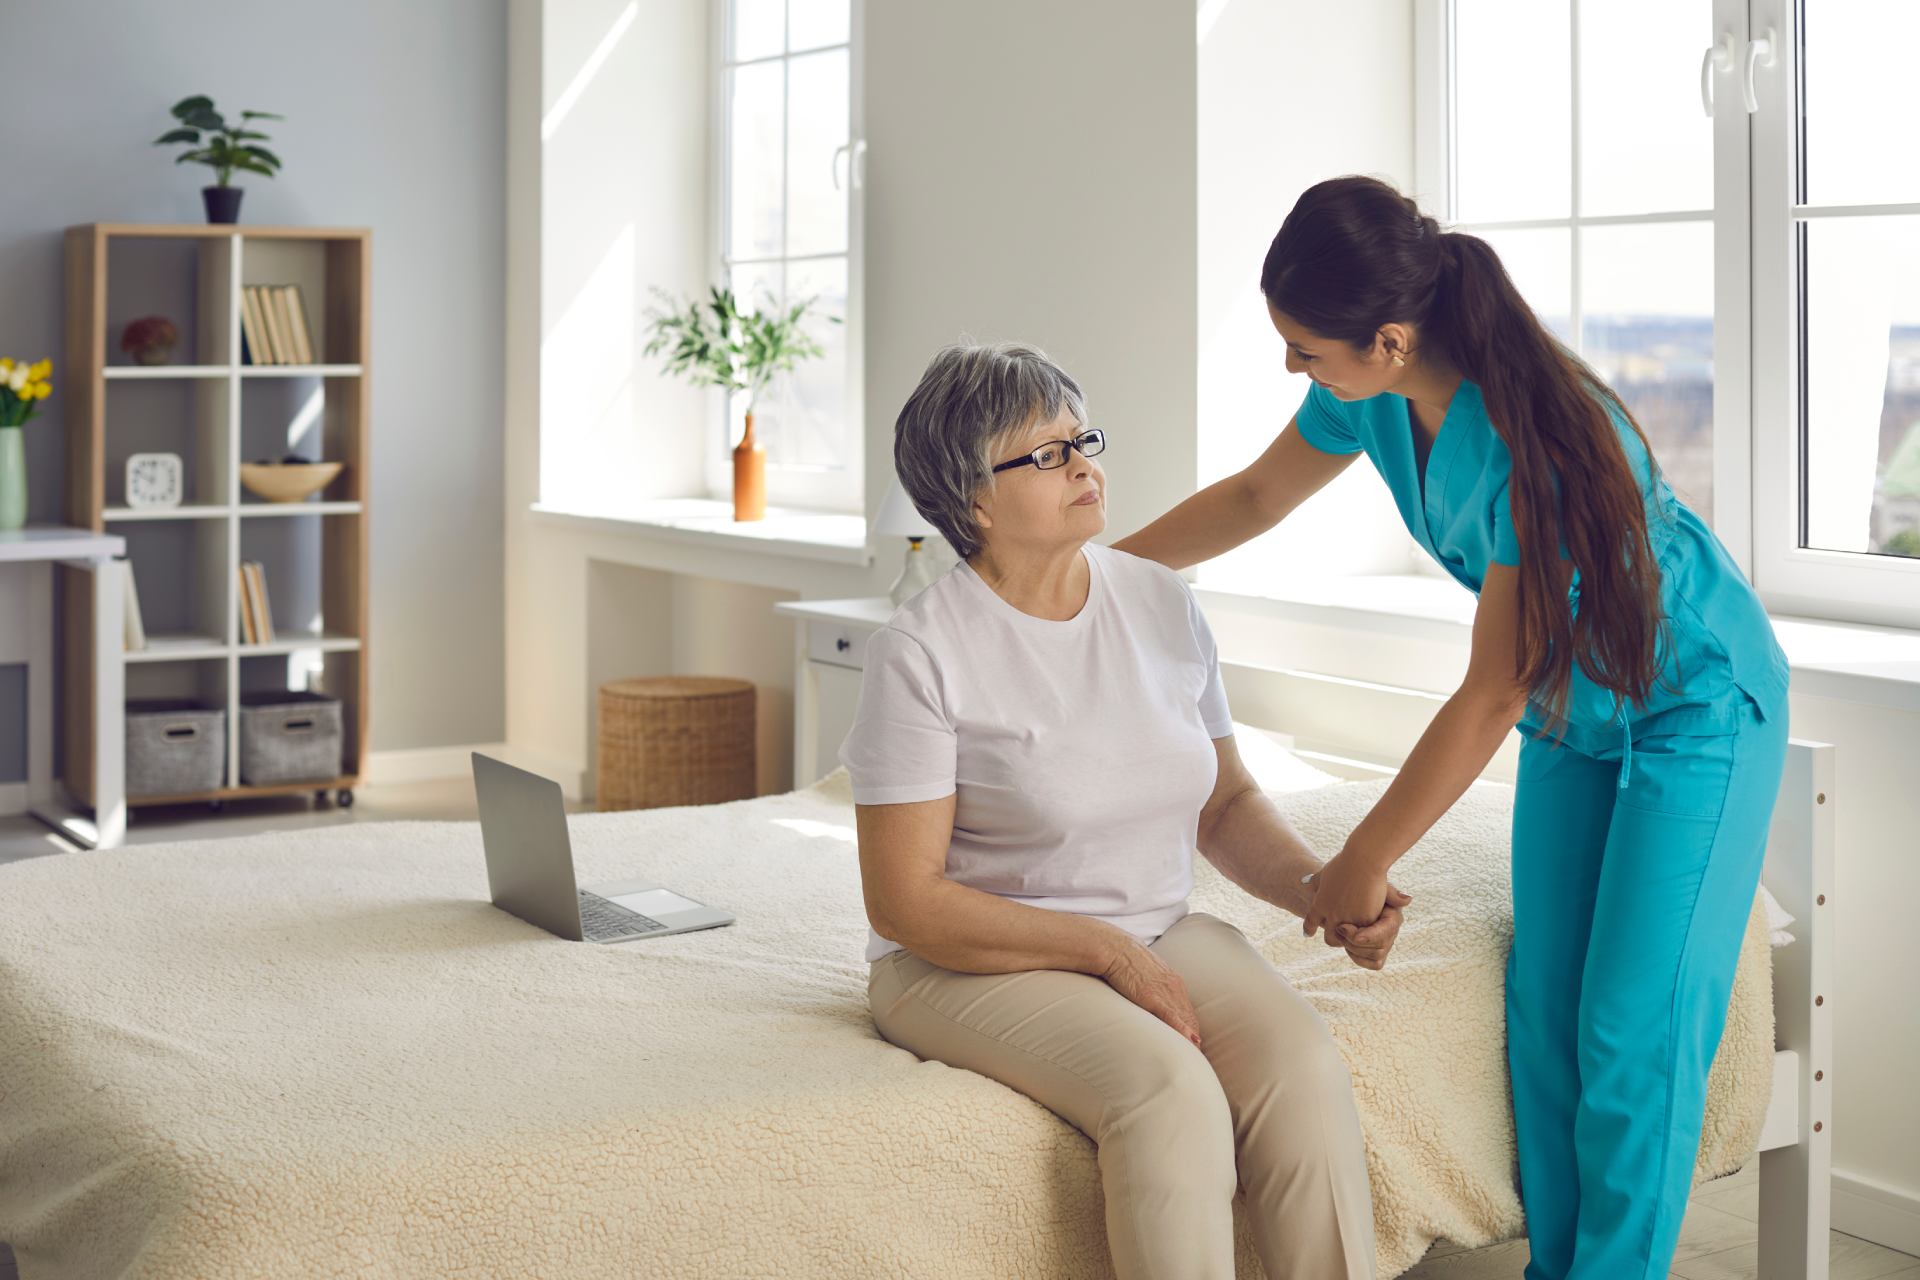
<point>749,477</point>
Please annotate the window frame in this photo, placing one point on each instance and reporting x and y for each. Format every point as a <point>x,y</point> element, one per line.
<point>833,489</point>
<point>1755,433</point>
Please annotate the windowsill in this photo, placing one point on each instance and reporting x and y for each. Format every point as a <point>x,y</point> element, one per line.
<point>709,522</point>
<point>1850,662</point>
<point>834,537</point>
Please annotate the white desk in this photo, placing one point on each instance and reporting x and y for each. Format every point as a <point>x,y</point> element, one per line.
<point>36,549</point>
<point>830,653</point>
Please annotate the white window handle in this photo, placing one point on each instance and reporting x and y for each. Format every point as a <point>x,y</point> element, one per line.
<point>1717,56</point>
<point>856,151</point>
<point>1761,52</point>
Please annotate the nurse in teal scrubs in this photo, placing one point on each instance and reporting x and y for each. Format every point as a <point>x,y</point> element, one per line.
<point>1616,633</point>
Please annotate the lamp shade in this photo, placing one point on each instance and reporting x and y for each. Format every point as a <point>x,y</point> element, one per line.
<point>897,517</point>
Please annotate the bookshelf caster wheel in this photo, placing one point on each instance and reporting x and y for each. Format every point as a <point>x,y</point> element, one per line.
<point>344,798</point>
<point>215,806</point>
<point>319,797</point>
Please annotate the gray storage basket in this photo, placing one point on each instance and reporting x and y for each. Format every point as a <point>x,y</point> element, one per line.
<point>289,737</point>
<point>175,748</point>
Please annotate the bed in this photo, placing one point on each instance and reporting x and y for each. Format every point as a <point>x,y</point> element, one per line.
<point>326,1053</point>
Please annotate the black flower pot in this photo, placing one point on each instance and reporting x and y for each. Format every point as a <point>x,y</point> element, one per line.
<point>223,203</point>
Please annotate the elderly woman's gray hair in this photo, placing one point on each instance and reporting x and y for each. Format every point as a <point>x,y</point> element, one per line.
<point>970,400</point>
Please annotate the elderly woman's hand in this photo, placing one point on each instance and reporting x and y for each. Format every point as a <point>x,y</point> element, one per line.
<point>1150,982</point>
<point>1368,947</point>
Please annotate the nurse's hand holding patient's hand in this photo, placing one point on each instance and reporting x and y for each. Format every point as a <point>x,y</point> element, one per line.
<point>1345,891</point>
<point>1368,946</point>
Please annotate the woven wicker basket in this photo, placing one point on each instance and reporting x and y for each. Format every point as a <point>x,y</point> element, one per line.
<point>675,740</point>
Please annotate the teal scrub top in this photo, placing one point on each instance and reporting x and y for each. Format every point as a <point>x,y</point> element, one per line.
<point>1718,655</point>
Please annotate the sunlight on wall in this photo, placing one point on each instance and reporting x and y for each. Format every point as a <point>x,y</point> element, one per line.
<point>589,451</point>
<point>557,114</point>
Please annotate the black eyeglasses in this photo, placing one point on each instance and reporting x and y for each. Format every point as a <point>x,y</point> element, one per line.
<point>1054,453</point>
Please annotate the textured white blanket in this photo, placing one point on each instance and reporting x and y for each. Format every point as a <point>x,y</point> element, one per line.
<point>326,1054</point>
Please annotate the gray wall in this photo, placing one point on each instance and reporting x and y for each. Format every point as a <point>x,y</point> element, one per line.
<point>395,117</point>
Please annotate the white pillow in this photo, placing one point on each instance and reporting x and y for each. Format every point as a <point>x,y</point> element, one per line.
<point>1273,764</point>
<point>1778,919</point>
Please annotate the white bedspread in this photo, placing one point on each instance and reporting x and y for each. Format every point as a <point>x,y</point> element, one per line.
<point>324,1053</point>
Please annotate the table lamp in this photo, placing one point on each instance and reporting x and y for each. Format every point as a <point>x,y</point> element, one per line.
<point>897,517</point>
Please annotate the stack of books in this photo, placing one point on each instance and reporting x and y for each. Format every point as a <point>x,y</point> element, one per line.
<point>256,615</point>
<point>273,325</point>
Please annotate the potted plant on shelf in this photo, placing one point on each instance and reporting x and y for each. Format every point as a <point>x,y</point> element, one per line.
<point>716,344</point>
<point>22,387</point>
<point>221,147</point>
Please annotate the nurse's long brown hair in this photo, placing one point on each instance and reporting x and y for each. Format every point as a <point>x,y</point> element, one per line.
<point>1355,255</point>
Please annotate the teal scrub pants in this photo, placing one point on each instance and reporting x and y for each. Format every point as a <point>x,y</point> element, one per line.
<point>1634,873</point>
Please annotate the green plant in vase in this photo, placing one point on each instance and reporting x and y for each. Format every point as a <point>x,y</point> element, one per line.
<point>716,344</point>
<point>223,148</point>
<point>22,387</point>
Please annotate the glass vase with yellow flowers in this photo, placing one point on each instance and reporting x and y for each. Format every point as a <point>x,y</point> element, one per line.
<point>22,387</point>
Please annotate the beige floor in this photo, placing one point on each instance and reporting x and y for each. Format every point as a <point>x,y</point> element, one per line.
<point>1717,1242</point>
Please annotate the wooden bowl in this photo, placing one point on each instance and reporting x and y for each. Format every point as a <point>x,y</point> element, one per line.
<point>287,481</point>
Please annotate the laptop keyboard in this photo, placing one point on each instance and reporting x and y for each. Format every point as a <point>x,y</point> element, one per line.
<point>600,918</point>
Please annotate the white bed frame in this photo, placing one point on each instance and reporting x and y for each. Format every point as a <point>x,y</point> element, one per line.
<point>1356,729</point>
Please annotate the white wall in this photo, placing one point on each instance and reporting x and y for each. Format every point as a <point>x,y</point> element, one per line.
<point>1291,92</point>
<point>1031,176</point>
<point>623,91</point>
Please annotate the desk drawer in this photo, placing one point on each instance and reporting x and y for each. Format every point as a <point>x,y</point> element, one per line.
<point>838,644</point>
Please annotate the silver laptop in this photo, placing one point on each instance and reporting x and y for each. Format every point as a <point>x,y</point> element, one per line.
<point>523,824</point>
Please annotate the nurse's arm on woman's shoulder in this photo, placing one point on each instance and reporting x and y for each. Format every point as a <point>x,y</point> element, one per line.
<point>1242,506</point>
<point>903,862</point>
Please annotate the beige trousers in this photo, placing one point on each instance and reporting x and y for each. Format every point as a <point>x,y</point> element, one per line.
<point>1265,1108</point>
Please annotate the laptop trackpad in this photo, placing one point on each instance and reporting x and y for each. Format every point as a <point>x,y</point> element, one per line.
<point>654,902</point>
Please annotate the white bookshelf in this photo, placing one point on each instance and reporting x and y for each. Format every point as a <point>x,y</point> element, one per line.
<point>205,540</point>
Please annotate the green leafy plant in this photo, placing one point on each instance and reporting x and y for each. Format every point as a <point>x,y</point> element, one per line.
<point>716,344</point>
<point>215,143</point>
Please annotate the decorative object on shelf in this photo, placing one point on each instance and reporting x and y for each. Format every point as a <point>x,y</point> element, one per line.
<point>221,147</point>
<point>898,518</point>
<point>174,747</point>
<point>154,480</point>
<point>22,387</point>
<point>716,344</point>
<point>289,737</point>
<point>150,339</point>
<point>289,480</point>
<point>132,624</point>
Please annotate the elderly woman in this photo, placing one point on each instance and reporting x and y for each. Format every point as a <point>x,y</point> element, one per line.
<point>1042,744</point>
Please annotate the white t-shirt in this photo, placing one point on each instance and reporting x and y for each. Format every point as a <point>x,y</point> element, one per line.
<point>1079,753</point>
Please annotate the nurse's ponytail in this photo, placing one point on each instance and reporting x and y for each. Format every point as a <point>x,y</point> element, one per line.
<point>1355,255</point>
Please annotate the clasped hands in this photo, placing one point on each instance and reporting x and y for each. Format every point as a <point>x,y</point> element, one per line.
<point>1354,906</point>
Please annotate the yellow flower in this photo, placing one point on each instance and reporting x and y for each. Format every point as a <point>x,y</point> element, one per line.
<point>6,364</point>
<point>42,368</point>
<point>41,390</point>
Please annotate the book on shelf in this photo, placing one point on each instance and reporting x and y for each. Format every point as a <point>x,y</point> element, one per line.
<point>256,613</point>
<point>262,604</point>
<point>296,323</point>
<point>253,327</point>
<point>246,607</point>
<point>134,627</point>
<point>276,336</point>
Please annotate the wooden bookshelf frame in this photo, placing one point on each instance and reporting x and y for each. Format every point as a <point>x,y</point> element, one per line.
<point>339,262</point>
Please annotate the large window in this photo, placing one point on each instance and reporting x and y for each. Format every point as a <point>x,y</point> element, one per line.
<point>788,169</point>
<point>1751,289</point>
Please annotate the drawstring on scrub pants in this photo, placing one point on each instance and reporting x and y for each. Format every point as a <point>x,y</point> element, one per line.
<point>1626,741</point>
